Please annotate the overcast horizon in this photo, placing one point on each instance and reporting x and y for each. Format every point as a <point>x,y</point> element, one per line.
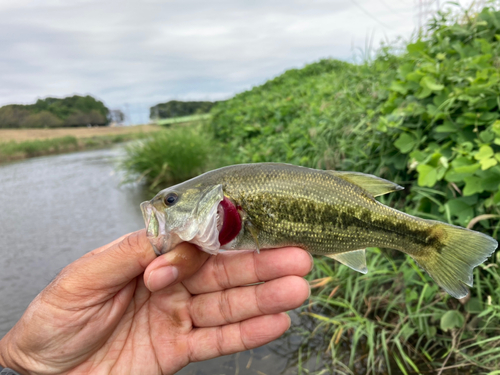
<point>134,55</point>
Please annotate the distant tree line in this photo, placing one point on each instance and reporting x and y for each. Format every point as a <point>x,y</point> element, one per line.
<point>175,108</point>
<point>52,112</point>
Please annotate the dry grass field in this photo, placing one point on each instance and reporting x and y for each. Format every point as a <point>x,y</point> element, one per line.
<point>22,135</point>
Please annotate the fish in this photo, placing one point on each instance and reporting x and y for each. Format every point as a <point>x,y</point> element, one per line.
<point>326,212</point>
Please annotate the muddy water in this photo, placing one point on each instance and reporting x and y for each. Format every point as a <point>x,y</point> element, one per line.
<point>55,209</point>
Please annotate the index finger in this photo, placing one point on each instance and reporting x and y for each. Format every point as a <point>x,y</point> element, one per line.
<point>236,268</point>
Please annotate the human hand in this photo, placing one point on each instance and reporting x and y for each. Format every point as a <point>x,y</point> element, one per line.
<point>120,309</point>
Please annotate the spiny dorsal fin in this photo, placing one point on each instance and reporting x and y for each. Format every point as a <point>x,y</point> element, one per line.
<point>372,184</point>
<point>355,259</point>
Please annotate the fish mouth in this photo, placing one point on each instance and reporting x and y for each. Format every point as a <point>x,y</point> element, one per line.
<point>155,225</point>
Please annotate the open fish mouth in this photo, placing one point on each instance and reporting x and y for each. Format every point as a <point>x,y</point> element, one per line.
<point>155,228</point>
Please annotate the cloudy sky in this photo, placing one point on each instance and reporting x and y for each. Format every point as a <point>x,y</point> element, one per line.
<point>134,54</point>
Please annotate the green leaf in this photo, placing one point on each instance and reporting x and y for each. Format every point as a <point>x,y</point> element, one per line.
<point>405,143</point>
<point>474,306</point>
<point>488,163</point>
<point>399,86</point>
<point>452,319</point>
<point>496,197</point>
<point>496,127</point>
<point>458,174</point>
<point>490,179</point>
<point>485,152</point>
<point>424,93</point>
<point>486,136</point>
<point>472,185</point>
<point>469,169</point>
<point>430,83</point>
<point>416,47</point>
<point>427,175</point>
<point>447,127</point>
<point>461,210</point>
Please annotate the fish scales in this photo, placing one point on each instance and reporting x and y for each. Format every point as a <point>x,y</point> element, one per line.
<point>332,213</point>
<point>297,207</point>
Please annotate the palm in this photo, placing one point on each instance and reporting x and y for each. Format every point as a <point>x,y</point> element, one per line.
<point>120,326</point>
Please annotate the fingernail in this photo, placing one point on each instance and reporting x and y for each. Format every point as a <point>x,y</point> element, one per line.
<point>312,261</point>
<point>289,321</point>
<point>162,277</point>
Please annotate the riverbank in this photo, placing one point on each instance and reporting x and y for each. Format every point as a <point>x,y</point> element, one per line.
<point>16,144</point>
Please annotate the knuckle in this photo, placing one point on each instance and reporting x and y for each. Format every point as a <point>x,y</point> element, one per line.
<point>256,267</point>
<point>225,307</point>
<point>219,340</point>
<point>221,274</point>
<point>258,300</point>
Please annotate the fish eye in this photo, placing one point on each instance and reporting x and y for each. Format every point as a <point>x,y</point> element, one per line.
<point>170,199</point>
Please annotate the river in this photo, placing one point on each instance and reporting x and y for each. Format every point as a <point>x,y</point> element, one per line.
<point>57,208</point>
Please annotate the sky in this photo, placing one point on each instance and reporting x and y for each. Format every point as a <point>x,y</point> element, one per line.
<point>135,54</point>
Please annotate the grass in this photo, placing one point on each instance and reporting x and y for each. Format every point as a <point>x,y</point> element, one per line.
<point>183,119</point>
<point>172,156</point>
<point>13,150</point>
<point>396,320</point>
<point>30,134</point>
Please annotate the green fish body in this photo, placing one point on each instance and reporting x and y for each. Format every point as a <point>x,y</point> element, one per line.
<point>331,213</point>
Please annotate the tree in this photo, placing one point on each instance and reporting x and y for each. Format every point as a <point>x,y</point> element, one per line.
<point>116,116</point>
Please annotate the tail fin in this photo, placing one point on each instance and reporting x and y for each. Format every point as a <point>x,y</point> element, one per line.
<point>451,266</point>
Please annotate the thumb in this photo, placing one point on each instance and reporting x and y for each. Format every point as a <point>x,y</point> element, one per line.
<point>112,265</point>
<point>116,264</point>
<point>175,266</point>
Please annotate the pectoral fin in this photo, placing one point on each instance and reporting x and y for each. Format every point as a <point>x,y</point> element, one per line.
<point>354,259</point>
<point>372,184</point>
<point>254,233</point>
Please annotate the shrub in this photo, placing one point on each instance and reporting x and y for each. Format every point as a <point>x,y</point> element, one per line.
<point>170,156</point>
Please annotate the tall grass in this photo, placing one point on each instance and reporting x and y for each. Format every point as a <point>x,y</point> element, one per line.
<point>171,156</point>
<point>396,320</point>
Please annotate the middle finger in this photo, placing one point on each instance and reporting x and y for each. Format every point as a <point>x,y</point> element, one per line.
<point>237,304</point>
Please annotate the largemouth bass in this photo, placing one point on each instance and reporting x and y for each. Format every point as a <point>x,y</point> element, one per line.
<point>332,213</point>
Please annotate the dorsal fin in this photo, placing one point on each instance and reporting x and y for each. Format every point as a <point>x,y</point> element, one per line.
<point>354,259</point>
<point>372,184</point>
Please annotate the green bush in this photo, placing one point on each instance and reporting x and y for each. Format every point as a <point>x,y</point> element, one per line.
<point>442,114</point>
<point>176,108</point>
<point>170,156</point>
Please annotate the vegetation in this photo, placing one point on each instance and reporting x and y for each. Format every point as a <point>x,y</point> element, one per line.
<point>172,156</point>
<point>53,112</point>
<point>427,118</point>
<point>13,150</point>
<point>175,108</point>
<point>184,119</point>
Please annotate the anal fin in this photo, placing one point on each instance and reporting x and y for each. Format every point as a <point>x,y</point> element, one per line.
<point>354,259</point>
